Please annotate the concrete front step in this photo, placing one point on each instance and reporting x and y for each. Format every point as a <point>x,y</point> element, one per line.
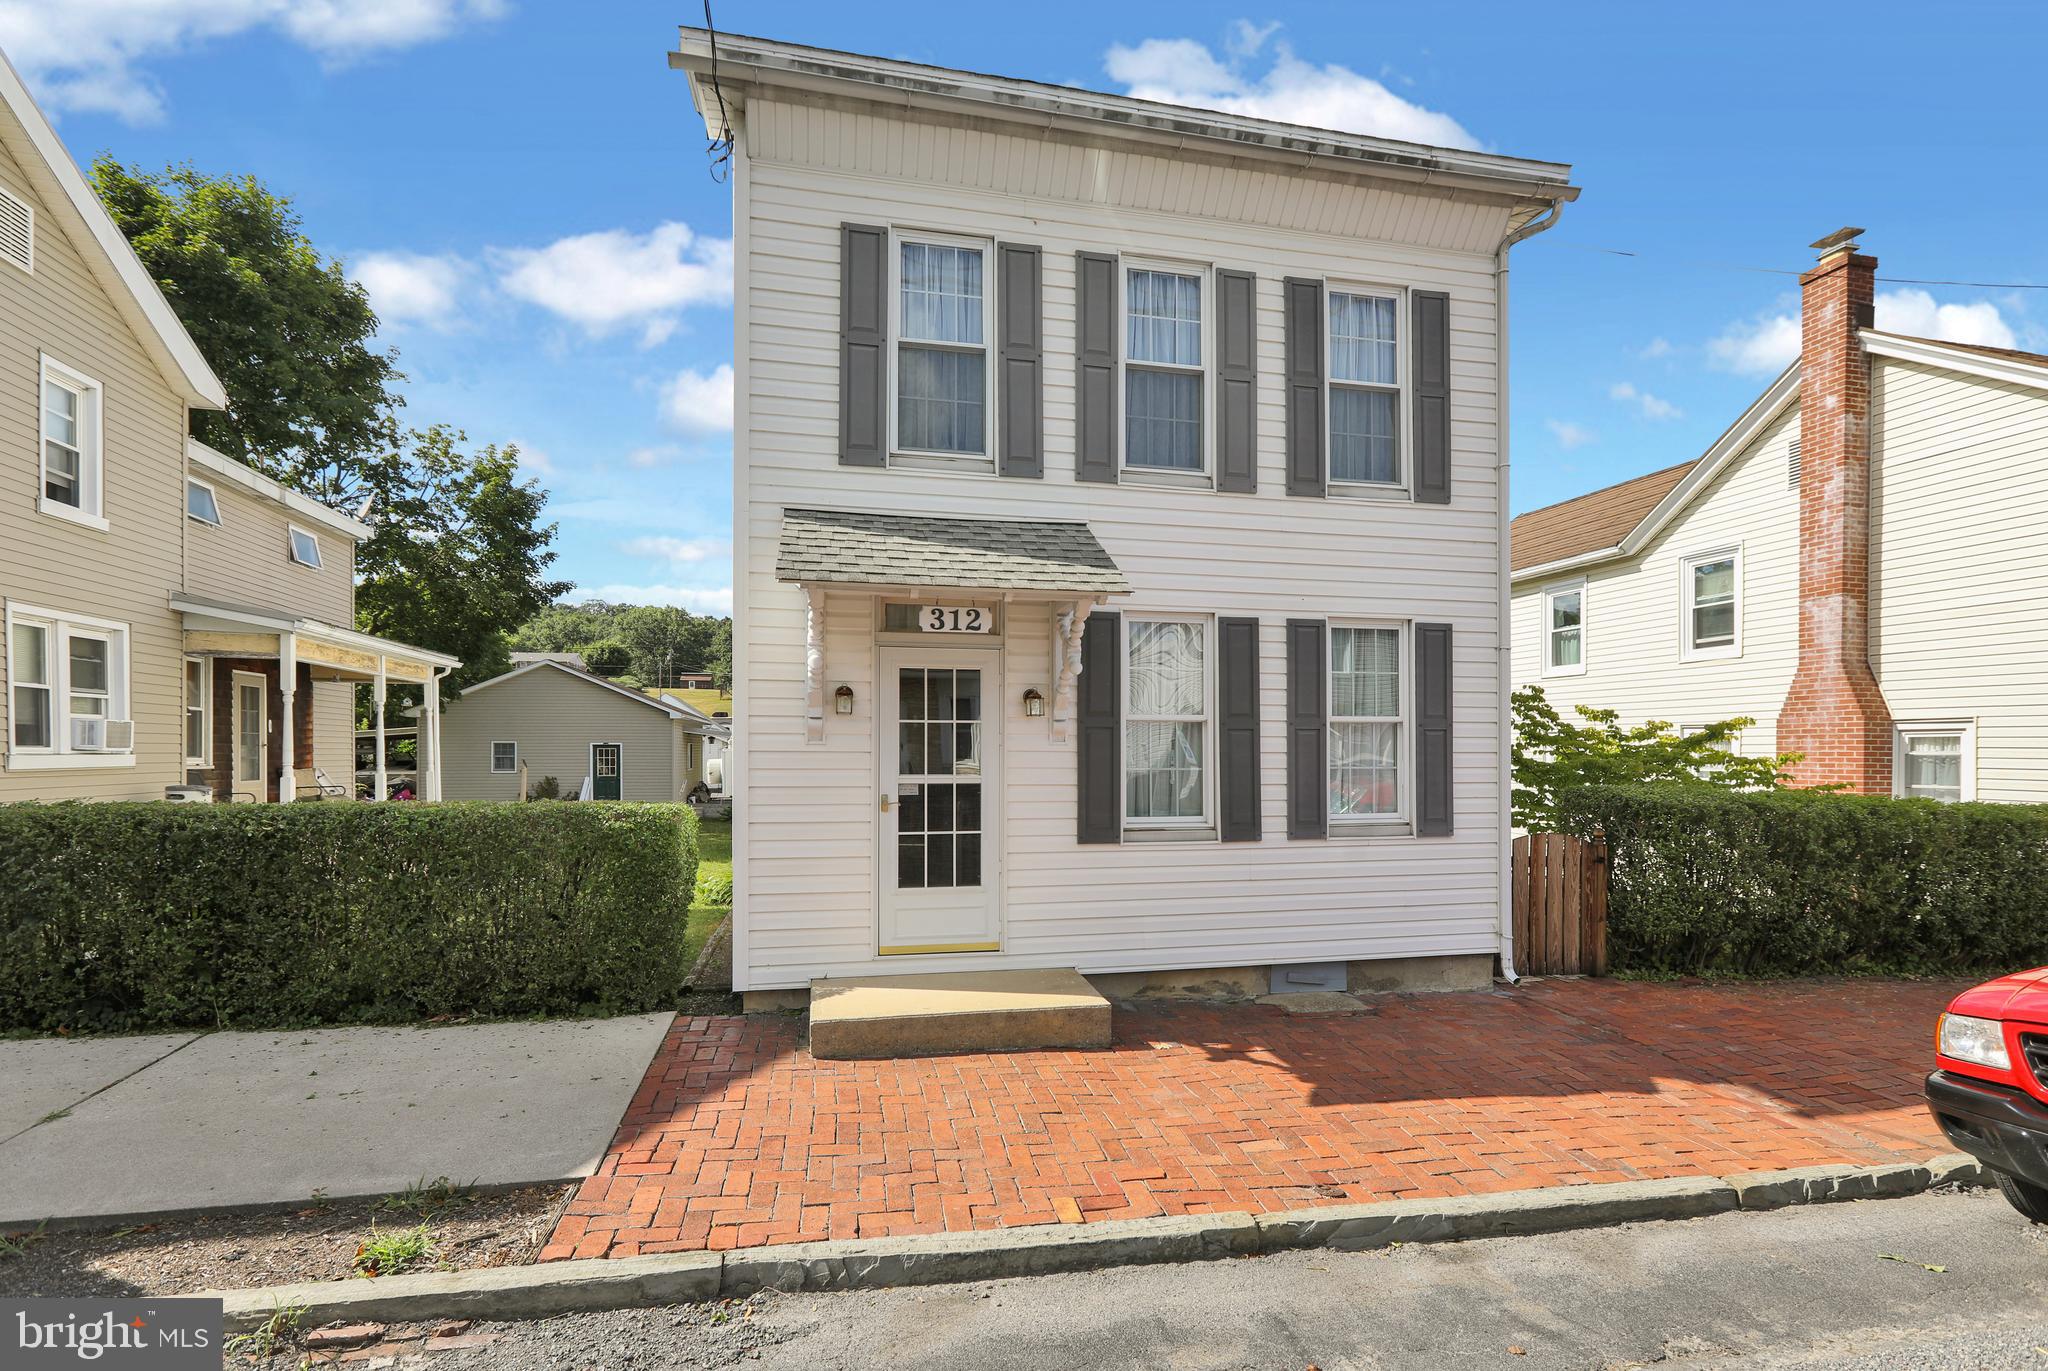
<point>955,1011</point>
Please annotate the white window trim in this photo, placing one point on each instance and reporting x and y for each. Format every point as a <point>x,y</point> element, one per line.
<point>1205,272</point>
<point>1204,825</point>
<point>1405,807</point>
<point>57,647</point>
<point>497,770</point>
<point>291,548</point>
<point>1904,730</point>
<point>205,706</point>
<point>1686,651</point>
<point>1400,487</point>
<point>985,461</point>
<point>92,452</point>
<point>1549,628</point>
<point>218,519</point>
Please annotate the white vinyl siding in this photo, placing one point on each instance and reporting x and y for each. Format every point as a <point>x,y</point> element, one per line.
<point>806,836</point>
<point>1636,667</point>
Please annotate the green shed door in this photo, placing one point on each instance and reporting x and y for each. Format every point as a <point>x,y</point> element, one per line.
<point>604,771</point>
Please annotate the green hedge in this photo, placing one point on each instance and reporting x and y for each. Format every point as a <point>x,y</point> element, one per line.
<point>1707,881</point>
<point>129,916</point>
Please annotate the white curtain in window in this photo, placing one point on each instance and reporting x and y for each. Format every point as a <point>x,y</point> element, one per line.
<point>943,400</point>
<point>1362,339</point>
<point>1362,435</point>
<point>1564,629</point>
<point>1167,672</point>
<point>1164,317</point>
<point>1365,672</point>
<point>1934,766</point>
<point>1164,425</point>
<point>1365,769</point>
<point>941,293</point>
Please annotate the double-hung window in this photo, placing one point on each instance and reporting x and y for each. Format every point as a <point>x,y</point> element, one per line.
<point>67,691</point>
<point>1166,723</point>
<point>72,466</point>
<point>1368,739</point>
<point>942,354</point>
<point>198,710</point>
<point>1165,351</point>
<point>1365,389</point>
<point>504,757</point>
<point>1710,592</point>
<point>1564,630</point>
<point>1935,761</point>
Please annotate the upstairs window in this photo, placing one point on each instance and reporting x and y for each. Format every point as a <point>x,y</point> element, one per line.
<point>942,359</point>
<point>1710,590</point>
<point>305,548</point>
<point>200,502</point>
<point>1163,372</point>
<point>1166,723</point>
<point>1367,741</point>
<point>1564,630</point>
<point>1365,389</point>
<point>71,461</point>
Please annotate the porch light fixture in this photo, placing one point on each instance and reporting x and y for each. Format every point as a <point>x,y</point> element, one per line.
<point>1034,704</point>
<point>842,700</point>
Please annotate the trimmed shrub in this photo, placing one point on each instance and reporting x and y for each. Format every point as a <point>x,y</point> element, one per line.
<point>1705,881</point>
<point>131,916</point>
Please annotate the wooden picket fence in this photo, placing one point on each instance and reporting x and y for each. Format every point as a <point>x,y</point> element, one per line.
<point>1560,905</point>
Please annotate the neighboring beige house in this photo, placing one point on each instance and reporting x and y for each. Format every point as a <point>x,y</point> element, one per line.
<point>597,740</point>
<point>1868,587</point>
<point>1120,532</point>
<point>171,617</point>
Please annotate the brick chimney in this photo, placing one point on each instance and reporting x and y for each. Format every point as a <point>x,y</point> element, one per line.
<point>1835,713</point>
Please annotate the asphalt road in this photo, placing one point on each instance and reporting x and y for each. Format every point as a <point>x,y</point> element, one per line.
<point>1799,1288</point>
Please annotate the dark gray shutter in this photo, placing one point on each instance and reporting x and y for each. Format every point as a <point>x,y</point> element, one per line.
<point>1095,367</point>
<point>1237,382</point>
<point>1432,730</point>
<point>1237,720</point>
<point>1432,397</point>
<point>1099,712</point>
<point>1020,387</point>
<point>1304,315</point>
<point>863,345</point>
<point>1308,729</point>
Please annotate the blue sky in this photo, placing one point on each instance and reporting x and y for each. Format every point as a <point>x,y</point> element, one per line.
<point>522,187</point>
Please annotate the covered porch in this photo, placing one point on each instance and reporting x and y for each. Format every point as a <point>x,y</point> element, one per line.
<point>256,670</point>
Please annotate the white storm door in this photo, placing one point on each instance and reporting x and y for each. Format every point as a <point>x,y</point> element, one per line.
<point>251,738</point>
<point>941,801</point>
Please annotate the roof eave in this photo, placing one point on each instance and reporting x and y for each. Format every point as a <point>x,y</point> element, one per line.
<point>1929,352</point>
<point>256,483</point>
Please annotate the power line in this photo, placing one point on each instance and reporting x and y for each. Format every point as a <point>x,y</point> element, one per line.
<point>1781,271</point>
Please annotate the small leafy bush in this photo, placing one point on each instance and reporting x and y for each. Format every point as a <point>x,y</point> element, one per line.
<point>134,916</point>
<point>1710,881</point>
<point>714,891</point>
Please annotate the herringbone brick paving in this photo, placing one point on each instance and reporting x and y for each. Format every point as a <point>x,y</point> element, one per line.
<point>738,1137</point>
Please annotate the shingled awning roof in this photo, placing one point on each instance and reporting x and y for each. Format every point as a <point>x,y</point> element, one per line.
<point>1591,523</point>
<point>850,548</point>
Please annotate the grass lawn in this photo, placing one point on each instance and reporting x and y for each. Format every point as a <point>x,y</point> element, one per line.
<point>714,862</point>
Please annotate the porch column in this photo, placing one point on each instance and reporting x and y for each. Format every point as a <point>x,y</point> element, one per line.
<point>288,734</point>
<point>382,791</point>
<point>430,728</point>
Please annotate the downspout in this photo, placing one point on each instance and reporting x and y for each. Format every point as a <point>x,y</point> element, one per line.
<point>1506,640</point>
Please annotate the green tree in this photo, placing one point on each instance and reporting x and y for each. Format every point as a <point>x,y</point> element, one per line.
<point>1553,754</point>
<point>565,627</point>
<point>289,335</point>
<point>608,657</point>
<point>721,656</point>
<point>459,556</point>
<point>661,642</point>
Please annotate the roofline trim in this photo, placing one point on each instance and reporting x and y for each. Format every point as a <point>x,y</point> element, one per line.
<point>283,621</point>
<point>257,484</point>
<point>1733,440</point>
<point>526,667</point>
<point>178,356</point>
<point>1931,352</point>
<point>914,84</point>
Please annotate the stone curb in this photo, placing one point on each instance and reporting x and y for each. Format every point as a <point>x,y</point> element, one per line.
<point>524,1292</point>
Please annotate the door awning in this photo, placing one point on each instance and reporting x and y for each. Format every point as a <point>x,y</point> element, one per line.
<point>856,548</point>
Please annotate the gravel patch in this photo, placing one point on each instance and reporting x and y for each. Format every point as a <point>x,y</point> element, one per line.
<point>318,1242</point>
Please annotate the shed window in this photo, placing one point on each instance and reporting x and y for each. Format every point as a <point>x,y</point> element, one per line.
<point>504,757</point>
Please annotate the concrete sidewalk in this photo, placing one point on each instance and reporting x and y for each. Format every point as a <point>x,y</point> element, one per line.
<point>121,1127</point>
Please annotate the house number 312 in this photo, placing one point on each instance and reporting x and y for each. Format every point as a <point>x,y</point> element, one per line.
<point>941,619</point>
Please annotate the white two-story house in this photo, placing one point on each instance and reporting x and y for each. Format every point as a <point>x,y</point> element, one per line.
<point>1856,564</point>
<point>1120,530</point>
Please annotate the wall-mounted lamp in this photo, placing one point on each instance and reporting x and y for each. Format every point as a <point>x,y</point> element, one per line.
<point>842,700</point>
<point>1034,704</point>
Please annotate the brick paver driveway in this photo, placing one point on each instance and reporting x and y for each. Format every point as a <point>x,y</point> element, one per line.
<point>739,1137</point>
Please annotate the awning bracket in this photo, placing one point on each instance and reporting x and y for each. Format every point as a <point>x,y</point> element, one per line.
<point>1066,649</point>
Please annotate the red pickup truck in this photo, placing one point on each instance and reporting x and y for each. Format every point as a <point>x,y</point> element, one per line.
<point>1989,1089</point>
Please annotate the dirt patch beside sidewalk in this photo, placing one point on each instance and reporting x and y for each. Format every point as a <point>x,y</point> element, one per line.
<point>318,1242</point>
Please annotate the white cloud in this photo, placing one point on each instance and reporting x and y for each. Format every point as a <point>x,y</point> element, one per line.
<point>696,599</point>
<point>413,288</point>
<point>86,55</point>
<point>679,553</point>
<point>1656,348</point>
<point>1644,403</point>
<point>699,403</point>
<point>1770,342</point>
<point>653,455</point>
<point>532,460</point>
<point>617,278</point>
<point>1569,435</point>
<point>1182,71</point>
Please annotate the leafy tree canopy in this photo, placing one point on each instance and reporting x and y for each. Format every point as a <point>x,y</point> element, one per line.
<point>1553,754</point>
<point>653,644</point>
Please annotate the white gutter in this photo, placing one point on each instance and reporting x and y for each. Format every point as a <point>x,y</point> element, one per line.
<point>1505,647</point>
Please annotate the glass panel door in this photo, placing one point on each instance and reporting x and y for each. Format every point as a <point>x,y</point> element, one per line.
<point>938,778</point>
